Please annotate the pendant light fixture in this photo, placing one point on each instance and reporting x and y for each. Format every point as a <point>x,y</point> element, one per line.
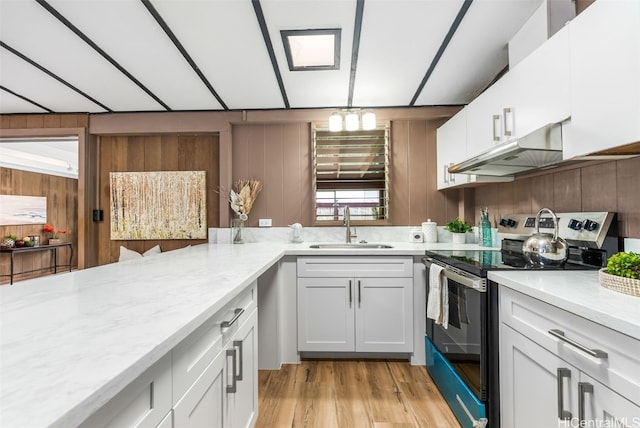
<point>352,120</point>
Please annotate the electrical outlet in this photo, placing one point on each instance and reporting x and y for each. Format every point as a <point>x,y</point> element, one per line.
<point>264,222</point>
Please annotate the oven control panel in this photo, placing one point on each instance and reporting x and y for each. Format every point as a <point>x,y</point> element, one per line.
<point>583,228</point>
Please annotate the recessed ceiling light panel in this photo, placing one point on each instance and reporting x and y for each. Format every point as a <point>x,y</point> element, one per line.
<point>312,49</point>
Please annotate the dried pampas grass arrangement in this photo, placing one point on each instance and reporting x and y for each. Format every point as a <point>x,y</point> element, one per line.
<point>241,198</point>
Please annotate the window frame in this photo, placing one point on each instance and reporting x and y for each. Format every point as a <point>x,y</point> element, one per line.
<point>386,126</point>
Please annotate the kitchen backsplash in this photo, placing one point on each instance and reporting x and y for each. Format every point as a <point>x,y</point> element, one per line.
<point>328,234</point>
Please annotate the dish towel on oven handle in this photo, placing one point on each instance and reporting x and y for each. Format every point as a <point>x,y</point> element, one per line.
<point>438,298</point>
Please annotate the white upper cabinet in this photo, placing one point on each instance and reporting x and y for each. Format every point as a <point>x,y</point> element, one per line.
<point>532,95</point>
<point>451,149</point>
<point>605,82</point>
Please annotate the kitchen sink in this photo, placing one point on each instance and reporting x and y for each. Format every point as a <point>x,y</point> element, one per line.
<point>342,246</point>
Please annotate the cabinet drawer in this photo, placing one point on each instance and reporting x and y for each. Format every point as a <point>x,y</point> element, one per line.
<point>364,267</point>
<point>535,319</point>
<point>143,403</point>
<point>195,353</point>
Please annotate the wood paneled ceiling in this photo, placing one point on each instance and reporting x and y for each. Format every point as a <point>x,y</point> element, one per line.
<point>101,56</point>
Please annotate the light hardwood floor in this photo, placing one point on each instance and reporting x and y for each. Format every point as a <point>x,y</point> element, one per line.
<point>351,394</point>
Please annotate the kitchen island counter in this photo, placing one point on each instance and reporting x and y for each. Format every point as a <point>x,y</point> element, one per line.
<point>578,292</point>
<point>70,342</point>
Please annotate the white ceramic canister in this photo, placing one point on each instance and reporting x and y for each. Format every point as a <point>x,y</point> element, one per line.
<point>430,231</point>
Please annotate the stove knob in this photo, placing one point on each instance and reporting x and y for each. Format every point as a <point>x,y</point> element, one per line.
<point>503,222</point>
<point>575,224</point>
<point>511,222</point>
<point>591,225</point>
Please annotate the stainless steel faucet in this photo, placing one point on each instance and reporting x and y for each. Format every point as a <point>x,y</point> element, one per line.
<point>347,223</point>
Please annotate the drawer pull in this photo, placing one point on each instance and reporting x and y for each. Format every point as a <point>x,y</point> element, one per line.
<point>597,353</point>
<point>350,293</point>
<point>238,344</point>
<point>236,314</point>
<point>562,413</point>
<point>231,389</point>
<point>583,388</point>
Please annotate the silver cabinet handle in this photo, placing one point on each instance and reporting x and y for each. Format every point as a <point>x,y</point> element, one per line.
<point>238,344</point>
<point>452,177</point>
<point>446,173</point>
<point>508,112</point>
<point>597,353</point>
<point>231,389</point>
<point>350,293</point>
<point>359,294</point>
<point>583,388</point>
<point>496,129</point>
<point>562,373</point>
<point>236,314</point>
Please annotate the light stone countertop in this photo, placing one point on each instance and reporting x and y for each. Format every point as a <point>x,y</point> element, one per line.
<point>70,342</point>
<point>578,292</point>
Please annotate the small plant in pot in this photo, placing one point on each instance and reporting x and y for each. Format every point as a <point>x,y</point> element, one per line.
<point>458,228</point>
<point>622,273</point>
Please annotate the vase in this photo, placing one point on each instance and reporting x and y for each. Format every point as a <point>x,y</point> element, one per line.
<point>459,238</point>
<point>237,231</point>
<point>55,241</point>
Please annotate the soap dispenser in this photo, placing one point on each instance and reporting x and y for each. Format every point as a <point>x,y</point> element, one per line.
<point>296,235</point>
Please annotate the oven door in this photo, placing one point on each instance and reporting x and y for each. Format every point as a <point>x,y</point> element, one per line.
<point>457,355</point>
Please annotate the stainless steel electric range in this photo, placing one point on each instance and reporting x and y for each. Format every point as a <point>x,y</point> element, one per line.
<point>462,358</point>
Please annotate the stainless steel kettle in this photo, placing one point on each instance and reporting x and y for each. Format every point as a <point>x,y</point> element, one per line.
<point>545,249</point>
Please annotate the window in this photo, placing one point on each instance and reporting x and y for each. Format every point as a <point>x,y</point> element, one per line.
<point>351,168</point>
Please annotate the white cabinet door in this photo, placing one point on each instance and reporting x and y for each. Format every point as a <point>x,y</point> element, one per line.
<point>600,406</point>
<point>325,314</point>
<point>605,88</point>
<point>535,384</point>
<point>451,149</point>
<point>537,90</point>
<point>384,315</point>
<point>203,403</point>
<point>242,405</point>
<point>530,96</point>
<point>484,119</point>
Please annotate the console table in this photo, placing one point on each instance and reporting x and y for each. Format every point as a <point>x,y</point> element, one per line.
<point>50,247</point>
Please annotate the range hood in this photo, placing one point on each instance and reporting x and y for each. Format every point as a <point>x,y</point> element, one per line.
<point>540,148</point>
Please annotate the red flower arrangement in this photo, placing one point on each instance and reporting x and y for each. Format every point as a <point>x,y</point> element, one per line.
<point>54,233</point>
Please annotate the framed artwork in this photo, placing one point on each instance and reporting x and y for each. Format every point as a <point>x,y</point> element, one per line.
<point>16,210</point>
<point>158,205</point>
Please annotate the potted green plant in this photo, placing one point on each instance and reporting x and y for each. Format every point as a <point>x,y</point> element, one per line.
<point>458,229</point>
<point>622,273</point>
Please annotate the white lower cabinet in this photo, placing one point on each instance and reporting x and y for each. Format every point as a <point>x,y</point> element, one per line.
<point>226,393</point>
<point>210,379</point>
<point>371,311</point>
<point>586,376</point>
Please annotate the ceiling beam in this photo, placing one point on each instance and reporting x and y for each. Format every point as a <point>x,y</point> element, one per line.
<point>156,15</point>
<point>99,50</point>
<point>257,7</point>
<point>22,97</point>
<point>357,30</point>
<point>443,47</point>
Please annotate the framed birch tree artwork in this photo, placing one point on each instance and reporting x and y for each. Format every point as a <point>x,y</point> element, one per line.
<point>158,205</point>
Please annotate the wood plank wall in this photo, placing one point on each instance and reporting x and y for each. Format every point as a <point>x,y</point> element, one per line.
<point>169,152</point>
<point>62,206</point>
<point>607,186</point>
<point>280,156</point>
<point>414,193</point>
<point>63,190</point>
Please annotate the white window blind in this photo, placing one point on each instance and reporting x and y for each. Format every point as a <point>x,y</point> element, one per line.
<point>351,168</point>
